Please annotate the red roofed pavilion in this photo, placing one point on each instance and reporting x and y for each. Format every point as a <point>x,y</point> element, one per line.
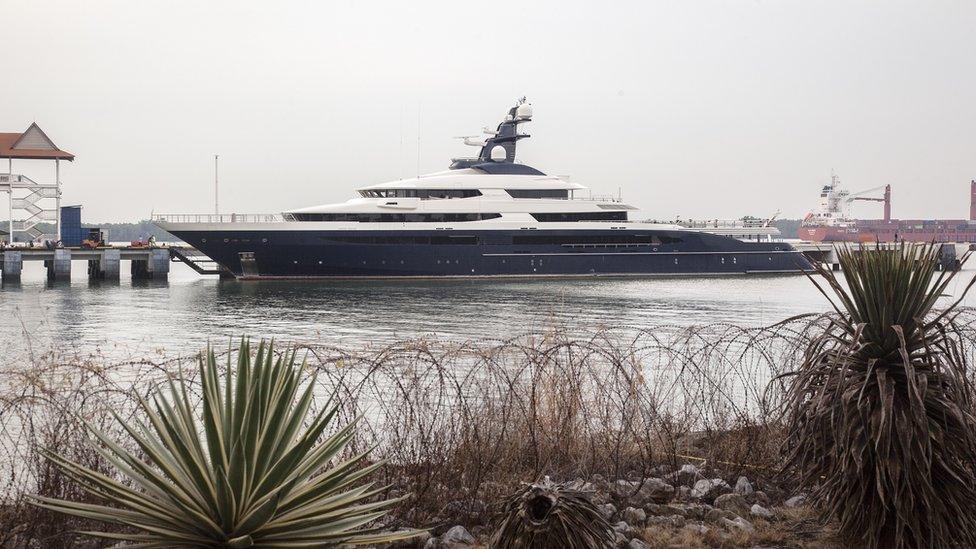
<point>32,144</point>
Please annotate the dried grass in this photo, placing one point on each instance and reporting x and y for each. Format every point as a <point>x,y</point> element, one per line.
<point>462,423</point>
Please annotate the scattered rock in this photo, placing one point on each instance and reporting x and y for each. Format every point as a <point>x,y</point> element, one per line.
<point>636,544</point>
<point>659,471</point>
<point>740,523</point>
<point>624,529</point>
<point>640,493</point>
<point>579,485</point>
<point>732,502</point>
<point>655,509</point>
<point>623,489</point>
<point>600,483</point>
<point>600,497</point>
<point>709,489</point>
<point>760,497</point>
<point>743,487</point>
<point>607,510</point>
<point>694,511</point>
<point>420,540</point>
<point>686,476</point>
<point>472,510</point>
<point>696,527</point>
<point>602,490</point>
<point>634,516</point>
<point>456,538</point>
<point>759,511</point>
<point>655,490</point>
<point>672,521</point>
<point>718,515</point>
<point>796,501</point>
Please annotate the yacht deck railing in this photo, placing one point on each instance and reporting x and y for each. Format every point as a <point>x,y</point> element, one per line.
<point>718,223</point>
<point>217,218</point>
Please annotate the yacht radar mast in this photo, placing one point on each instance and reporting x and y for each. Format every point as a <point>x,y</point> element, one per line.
<point>499,146</point>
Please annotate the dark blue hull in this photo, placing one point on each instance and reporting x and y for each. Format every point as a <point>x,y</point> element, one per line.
<point>480,253</point>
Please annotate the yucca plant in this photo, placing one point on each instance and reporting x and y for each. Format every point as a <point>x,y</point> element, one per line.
<point>253,469</point>
<point>880,413</point>
<point>551,516</point>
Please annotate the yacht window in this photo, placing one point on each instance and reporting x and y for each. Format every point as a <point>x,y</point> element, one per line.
<point>538,193</point>
<point>580,216</point>
<point>395,217</point>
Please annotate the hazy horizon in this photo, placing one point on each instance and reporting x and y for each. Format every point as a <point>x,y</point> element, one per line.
<point>704,110</point>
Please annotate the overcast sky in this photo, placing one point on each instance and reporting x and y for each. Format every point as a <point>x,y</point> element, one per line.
<point>697,109</point>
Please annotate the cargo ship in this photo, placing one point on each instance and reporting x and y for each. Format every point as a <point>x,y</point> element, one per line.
<point>832,221</point>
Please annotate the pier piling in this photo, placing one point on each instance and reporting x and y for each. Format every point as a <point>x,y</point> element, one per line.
<point>13,264</point>
<point>59,267</point>
<point>154,267</point>
<point>106,266</point>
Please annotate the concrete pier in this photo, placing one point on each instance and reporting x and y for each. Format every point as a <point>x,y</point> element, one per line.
<point>105,267</point>
<point>103,263</point>
<point>59,266</point>
<point>13,264</point>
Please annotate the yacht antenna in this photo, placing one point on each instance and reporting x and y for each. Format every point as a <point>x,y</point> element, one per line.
<point>400,150</point>
<point>216,203</point>
<point>418,139</point>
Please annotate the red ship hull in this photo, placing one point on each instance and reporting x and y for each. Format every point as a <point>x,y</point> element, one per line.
<point>907,230</point>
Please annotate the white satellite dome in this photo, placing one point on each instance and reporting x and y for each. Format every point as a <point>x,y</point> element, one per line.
<point>524,111</point>
<point>498,153</point>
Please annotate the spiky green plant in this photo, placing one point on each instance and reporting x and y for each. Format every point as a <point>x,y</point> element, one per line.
<point>551,516</point>
<point>880,413</point>
<point>248,471</point>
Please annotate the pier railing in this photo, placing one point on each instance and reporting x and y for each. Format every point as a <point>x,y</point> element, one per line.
<point>217,218</point>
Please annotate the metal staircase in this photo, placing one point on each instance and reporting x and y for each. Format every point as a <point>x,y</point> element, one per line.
<point>196,260</point>
<point>40,204</point>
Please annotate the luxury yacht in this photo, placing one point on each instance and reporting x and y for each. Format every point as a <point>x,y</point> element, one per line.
<point>486,216</point>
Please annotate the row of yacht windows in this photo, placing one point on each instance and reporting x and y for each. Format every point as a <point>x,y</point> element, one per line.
<point>596,240</point>
<point>446,239</point>
<point>580,216</point>
<point>584,240</point>
<point>450,217</point>
<point>427,194</point>
<point>423,194</point>
<point>395,217</point>
<point>538,193</point>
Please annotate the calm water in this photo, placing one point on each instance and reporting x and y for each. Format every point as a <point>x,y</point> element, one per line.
<point>181,315</point>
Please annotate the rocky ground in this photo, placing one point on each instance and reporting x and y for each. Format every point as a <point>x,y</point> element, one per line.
<point>682,508</point>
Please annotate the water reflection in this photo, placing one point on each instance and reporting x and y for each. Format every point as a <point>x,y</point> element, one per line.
<point>187,311</point>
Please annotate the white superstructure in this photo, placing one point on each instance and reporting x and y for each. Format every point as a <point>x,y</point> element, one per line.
<point>506,198</point>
